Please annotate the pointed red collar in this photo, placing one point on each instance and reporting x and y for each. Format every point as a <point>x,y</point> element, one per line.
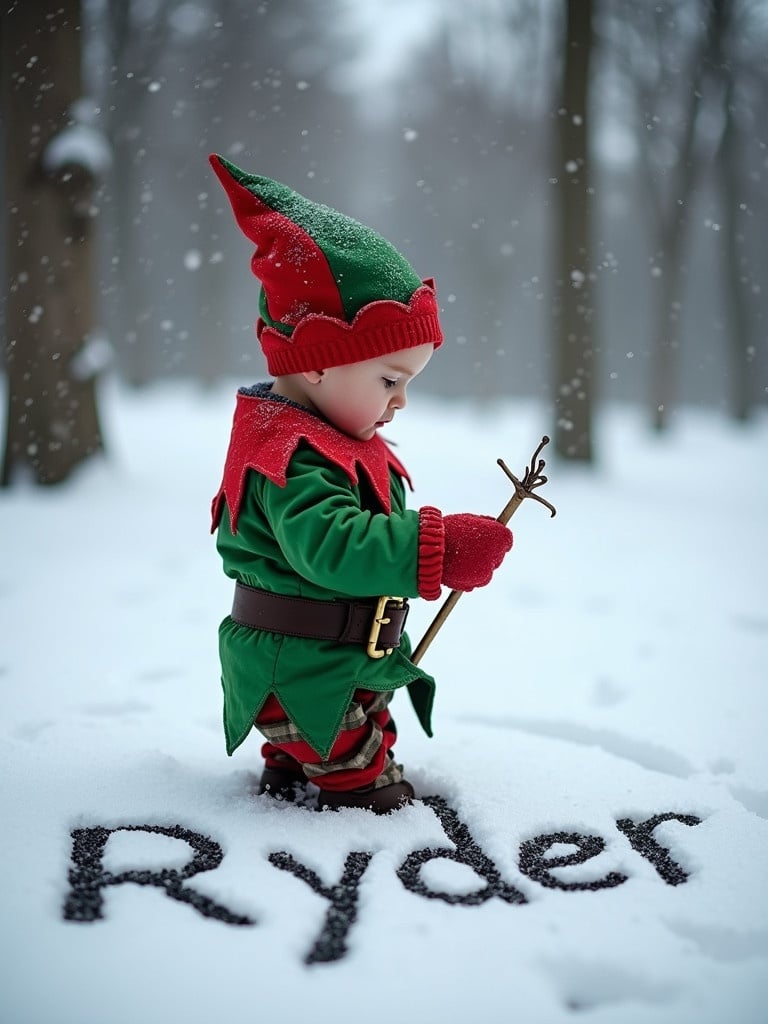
<point>265,434</point>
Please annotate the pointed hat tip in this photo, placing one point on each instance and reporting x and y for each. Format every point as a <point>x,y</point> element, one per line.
<point>221,166</point>
<point>232,180</point>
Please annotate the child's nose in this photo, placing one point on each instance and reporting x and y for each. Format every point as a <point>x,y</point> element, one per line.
<point>398,401</point>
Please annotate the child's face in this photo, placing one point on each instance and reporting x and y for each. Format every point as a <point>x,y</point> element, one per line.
<point>361,397</point>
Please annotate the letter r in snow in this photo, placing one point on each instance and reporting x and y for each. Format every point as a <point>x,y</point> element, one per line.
<point>88,878</point>
<point>640,836</point>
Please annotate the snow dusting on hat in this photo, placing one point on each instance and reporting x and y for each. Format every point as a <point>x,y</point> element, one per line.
<point>333,290</point>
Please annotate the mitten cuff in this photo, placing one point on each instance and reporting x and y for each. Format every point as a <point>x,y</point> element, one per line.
<point>431,550</point>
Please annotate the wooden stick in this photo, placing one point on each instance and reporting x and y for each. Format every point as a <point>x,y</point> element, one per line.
<point>523,489</point>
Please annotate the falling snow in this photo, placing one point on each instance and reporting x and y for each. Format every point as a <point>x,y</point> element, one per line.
<point>580,694</point>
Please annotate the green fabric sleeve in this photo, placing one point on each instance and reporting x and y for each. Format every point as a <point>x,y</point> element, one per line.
<point>329,539</point>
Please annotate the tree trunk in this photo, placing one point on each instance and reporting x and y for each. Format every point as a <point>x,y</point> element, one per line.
<point>731,186</point>
<point>737,293</point>
<point>668,312</point>
<point>52,422</point>
<point>134,53</point>
<point>574,353</point>
<point>673,230</point>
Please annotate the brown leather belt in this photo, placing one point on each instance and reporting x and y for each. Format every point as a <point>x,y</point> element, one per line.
<point>377,624</point>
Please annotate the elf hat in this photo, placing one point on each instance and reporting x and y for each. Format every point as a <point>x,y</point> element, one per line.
<point>333,291</point>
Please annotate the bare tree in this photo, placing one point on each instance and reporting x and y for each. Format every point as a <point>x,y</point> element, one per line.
<point>50,161</point>
<point>164,66</point>
<point>696,70</point>
<point>665,51</point>
<point>672,218</point>
<point>135,36</point>
<point>573,306</point>
<point>736,64</point>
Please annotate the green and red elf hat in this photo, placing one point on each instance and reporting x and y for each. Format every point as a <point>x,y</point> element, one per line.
<point>333,291</point>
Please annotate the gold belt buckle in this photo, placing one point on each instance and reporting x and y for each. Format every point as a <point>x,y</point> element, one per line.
<point>378,621</point>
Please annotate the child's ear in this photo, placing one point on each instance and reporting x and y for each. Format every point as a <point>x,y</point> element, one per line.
<point>313,376</point>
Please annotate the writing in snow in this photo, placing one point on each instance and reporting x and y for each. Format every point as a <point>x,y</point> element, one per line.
<point>89,878</point>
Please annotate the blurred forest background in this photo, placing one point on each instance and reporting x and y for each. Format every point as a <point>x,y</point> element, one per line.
<point>585,180</point>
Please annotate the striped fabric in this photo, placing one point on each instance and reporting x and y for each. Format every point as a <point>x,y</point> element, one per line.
<point>360,755</point>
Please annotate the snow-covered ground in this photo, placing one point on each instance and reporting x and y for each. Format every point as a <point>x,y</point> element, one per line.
<point>599,767</point>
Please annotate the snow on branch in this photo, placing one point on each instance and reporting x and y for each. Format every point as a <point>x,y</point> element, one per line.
<point>80,144</point>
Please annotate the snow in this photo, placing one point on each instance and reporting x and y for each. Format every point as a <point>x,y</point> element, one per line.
<point>81,143</point>
<point>614,669</point>
<point>94,357</point>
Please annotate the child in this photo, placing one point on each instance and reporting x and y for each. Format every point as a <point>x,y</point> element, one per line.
<point>316,534</point>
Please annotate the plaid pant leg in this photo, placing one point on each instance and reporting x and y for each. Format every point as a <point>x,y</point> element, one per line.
<point>360,755</point>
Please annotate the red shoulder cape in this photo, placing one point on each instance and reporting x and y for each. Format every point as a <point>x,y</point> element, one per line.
<point>266,433</point>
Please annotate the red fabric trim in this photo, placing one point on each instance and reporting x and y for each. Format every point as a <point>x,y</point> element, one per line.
<point>379,328</point>
<point>266,433</point>
<point>431,551</point>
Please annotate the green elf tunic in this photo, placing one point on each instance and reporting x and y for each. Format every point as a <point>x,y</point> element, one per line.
<point>313,513</point>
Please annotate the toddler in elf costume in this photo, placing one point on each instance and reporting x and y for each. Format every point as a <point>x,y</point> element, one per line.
<point>311,515</point>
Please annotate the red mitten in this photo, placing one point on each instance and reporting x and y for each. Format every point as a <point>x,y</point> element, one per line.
<point>474,547</point>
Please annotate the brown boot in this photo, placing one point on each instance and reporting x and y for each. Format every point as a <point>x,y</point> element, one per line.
<point>380,801</point>
<point>281,783</point>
